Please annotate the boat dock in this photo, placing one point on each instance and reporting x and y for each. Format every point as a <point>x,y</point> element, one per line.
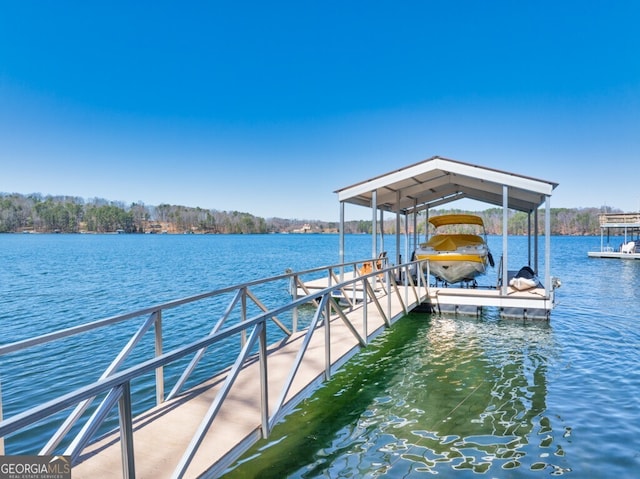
<point>284,353</point>
<point>410,193</point>
<point>271,354</point>
<point>529,304</point>
<point>619,236</point>
<point>163,434</point>
<point>198,432</point>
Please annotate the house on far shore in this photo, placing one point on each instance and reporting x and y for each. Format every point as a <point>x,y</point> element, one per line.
<point>306,228</point>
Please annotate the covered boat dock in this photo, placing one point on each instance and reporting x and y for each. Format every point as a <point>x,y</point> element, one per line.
<point>139,420</point>
<point>624,230</point>
<point>416,189</point>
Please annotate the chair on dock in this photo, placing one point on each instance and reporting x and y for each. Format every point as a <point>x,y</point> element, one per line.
<point>367,267</point>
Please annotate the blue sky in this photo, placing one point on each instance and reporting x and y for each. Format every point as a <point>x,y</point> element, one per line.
<point>269,107</point>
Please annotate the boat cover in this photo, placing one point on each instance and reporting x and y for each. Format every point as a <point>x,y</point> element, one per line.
<point>451,242</point>
<point>443,220</point>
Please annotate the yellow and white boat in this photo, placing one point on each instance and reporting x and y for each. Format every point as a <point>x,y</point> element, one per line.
<point>458,250</point>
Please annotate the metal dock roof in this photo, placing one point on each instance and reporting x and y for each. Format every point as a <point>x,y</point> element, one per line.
<point>438,180</point>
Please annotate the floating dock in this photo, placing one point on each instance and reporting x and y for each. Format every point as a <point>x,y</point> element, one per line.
<point>530,304</point>
<point>414,190</point>
<point>619,236</point>
<point>199,432</point>
<point>611,254</point>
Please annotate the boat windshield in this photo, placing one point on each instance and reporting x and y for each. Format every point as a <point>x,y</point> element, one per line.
<point>457,224</point>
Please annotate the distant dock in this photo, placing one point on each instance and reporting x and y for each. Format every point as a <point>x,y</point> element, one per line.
<point>619,236</point>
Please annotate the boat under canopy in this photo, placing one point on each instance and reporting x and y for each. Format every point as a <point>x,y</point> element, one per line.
<point>420,187</point>
<point>458,250</point>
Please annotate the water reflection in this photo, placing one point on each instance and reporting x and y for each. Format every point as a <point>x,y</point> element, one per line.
<point>484,396</point>
<point>430,396</point>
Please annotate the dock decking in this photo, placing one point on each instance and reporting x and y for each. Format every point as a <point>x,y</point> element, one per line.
<point>612,255</point>
<point>163,434</point>
<point>529,304</point>
<point>526,304</point>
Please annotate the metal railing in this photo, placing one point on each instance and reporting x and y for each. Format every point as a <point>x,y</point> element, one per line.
<point>346,286</point>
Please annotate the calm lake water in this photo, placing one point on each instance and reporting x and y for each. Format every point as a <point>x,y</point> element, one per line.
<point>452,396</point>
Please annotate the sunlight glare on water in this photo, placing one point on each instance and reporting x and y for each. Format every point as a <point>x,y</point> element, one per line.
<point>430,396</point>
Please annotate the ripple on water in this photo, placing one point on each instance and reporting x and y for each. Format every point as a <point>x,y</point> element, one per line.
<point>451,396</point>
<point>462,395</point>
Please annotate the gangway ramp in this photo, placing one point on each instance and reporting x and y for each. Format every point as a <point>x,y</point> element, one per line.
<point>200,431</point>
<point>162,435</point>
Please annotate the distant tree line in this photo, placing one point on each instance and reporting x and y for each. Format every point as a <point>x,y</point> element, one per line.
<point>67,214</point>
<point>564,221</point>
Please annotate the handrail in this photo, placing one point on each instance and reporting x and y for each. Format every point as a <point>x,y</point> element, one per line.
<point>117,384</point>
<point>65,333</point>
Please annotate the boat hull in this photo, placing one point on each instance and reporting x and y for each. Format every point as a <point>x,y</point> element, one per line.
<point>454,267</point>
<point>454,257</point>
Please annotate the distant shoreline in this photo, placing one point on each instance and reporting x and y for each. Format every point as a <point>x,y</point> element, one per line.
<point>64,214</point>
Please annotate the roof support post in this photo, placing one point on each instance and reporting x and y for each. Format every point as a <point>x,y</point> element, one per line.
<point>529,245</point>
<point>341,240</point>
<point>426,225</point>
<point>547,246</point>
<point>407,256</point>
<point>374,224</point>
<point>381,232</point>
<point>505,237</point>
<point>398,255</point>
<point>415,226</point>
<point>536,232</point>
